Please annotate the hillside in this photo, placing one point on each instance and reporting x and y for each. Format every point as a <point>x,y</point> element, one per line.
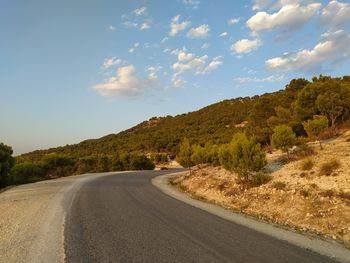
<point>207,130</point>
<point>215,123</point>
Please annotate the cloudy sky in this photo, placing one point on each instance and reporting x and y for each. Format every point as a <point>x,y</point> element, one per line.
<point>73,70</point>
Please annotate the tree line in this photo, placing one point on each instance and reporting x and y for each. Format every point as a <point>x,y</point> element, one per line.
<point>58,165</point>
<point>287,117</point>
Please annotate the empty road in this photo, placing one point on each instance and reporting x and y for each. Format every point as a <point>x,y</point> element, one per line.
<point>124,218</point>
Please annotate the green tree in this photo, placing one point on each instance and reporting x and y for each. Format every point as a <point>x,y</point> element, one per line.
<point>184,155</point>
<point>57,165</point>
<point>242,156</point>
<point>283,138</point>
<point>6,162</point>
<point>198,156</point>
<point>330,104</point>
<point>316,126</point>
<point>26,173</point>
<point>140,162</point>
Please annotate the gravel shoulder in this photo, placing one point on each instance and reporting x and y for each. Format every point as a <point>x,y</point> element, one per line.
<point>327,248</point>
<point>32,219</point>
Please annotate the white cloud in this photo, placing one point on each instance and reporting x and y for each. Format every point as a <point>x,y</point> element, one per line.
<point>198,32</point>
<point>109,62</point>
<point>272,78</point>
<point>336,13</point>
<point>140,11</point>
<point>152,72</point>
<point>223,34</point>
<point>194,4</point>
<point>124,83</point>
<point>190,62</point>
<point>233,21</point>
<point>333,48</point>
<point>138,18</point>
<point>260,4</point>
<point>291,16</point>
<point>205,46</point>
<point>177,82</point>
<point>183,56</point>
<point>111,28</point>
<point>273,4</point>
<point>214,64</point>
<point>134,47</point>
<point>244,46</point>
<point>146,24</point>
<point>176,26</point>
<point>165,39</point>
<point>129,24</point>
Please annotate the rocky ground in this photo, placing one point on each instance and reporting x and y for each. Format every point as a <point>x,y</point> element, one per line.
<point>306,200</point>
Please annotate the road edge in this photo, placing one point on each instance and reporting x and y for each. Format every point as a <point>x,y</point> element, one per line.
<point>330,249</point>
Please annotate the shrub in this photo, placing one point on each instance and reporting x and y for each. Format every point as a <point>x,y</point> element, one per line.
<point>305,192</point>
<point>279,185</point>
<point>185,153</point>
<point>307,164</point>
<point>260,179</point>
<point>283,138</point>
<point>327,193</point>
<point>6,163</point>
<point>316,126</point>
<point>141,162</point>
<point>242,156</point>
<point>328,167</point>
<point>57,165</point>
<point>26,173</point>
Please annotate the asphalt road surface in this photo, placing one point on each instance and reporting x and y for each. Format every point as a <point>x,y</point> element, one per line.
<point>124,218</point>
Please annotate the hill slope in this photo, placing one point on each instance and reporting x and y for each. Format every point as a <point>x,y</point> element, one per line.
<point>215,123</point>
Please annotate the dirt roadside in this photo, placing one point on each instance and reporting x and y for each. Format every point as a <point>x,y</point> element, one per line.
<point>301,200</point>
<point>32,219</point>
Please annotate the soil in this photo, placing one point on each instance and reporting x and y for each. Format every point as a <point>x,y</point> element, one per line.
<point>305,200</point>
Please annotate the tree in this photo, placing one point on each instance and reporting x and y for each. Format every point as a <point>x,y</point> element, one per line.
<point>58,165</point>
<point>330,104</point>
<point>198,155</point>
<point>26,173</point>
<point>184,155</point>
<point>6,162</point>
<point>141,162</point>
<point>242,156</point>
<point>316,126</point>
<point>283,138</point>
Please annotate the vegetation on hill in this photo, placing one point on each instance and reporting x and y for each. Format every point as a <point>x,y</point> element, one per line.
<point>207,129</point>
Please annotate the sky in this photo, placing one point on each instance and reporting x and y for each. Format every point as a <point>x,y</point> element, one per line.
<point>75,70</point>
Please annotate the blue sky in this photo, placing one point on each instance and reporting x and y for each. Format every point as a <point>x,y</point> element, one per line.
<point>73,70</point>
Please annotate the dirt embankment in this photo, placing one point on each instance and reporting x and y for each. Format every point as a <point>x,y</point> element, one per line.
<point>297,198</point>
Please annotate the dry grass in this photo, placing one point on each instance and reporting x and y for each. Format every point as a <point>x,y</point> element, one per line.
<point>329,167</point>
<point>260,179</point>
<point>279,185</point>
<point>295,197</point>
<point>307,164</point>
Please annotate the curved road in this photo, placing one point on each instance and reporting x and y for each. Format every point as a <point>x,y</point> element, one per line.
<point>124,218</point>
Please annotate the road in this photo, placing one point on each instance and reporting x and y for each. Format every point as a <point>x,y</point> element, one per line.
<point>124,218</point>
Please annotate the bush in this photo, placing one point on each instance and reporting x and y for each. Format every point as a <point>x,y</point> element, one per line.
<point>141,162</point>
<point>328,167</point>
<point>283,138</point>
<point>279,185</point>
<point>6,163</point>
<point>242,156</point>
<point>260,179</point>
<point>57,165</point>
<point>307,164</point>
<point>26,173</point>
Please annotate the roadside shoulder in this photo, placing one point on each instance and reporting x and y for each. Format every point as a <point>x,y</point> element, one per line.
<point>330,248</point>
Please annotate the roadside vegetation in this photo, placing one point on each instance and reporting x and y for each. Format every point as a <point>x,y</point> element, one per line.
<point>235,134</point>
